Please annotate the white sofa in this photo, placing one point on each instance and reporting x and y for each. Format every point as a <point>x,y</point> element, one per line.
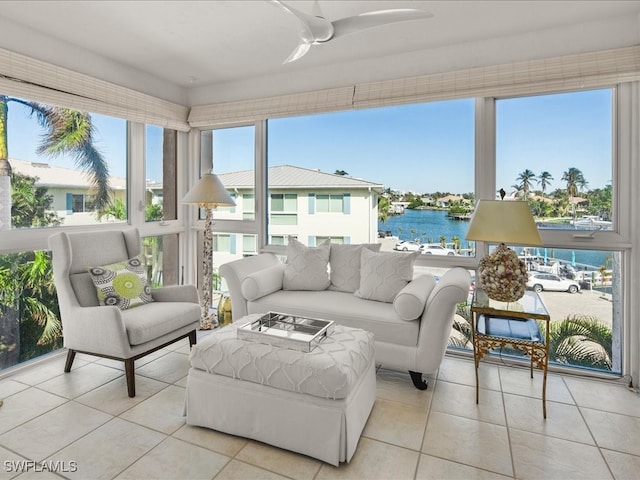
<point>411,328</point>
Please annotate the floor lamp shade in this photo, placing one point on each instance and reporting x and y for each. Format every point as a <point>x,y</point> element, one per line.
<point>208,193</point>
<point>502,275</point>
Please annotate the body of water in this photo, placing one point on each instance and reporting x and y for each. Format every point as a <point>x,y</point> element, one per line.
<point>427,226</point>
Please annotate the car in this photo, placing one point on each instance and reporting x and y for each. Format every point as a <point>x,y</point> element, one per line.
<point>407,245</point>
<point>435,249</point>
<point>539,281</point>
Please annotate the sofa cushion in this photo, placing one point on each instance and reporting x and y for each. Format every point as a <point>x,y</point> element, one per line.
<point>345,309</point>
<point>410,301</point>
<point>384,274</point>
<point>122,284</point>
<point>306,268</point>
<point>344,265</point>
<point>262,282</point>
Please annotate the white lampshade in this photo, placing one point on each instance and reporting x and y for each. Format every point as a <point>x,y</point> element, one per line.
<point>504,221</point>
<point>208,192</point>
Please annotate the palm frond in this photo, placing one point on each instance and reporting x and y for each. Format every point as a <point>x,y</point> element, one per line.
<point>69,131</point>
<point>45,318</point>
<point>581,340</point>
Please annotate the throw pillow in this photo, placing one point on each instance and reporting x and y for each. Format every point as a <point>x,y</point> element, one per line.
<point>122,284</point>
<point>384,274</point>
<point>410,301</point>
<point>306,267</point>
<point>344,265</point>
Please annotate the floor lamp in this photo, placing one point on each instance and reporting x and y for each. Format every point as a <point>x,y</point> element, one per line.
<point>208,193</point>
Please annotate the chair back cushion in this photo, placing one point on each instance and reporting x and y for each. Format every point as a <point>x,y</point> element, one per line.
<point>94,249</point>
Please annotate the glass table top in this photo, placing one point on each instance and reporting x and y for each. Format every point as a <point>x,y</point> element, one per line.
<point>529,306</point>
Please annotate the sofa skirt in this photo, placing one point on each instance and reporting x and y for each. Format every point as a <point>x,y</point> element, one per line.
<point>326,429</point>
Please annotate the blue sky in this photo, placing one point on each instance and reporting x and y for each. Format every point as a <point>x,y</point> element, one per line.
<point>424,147</point>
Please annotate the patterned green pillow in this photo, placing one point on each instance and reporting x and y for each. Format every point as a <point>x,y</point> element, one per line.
<point>122,284</point>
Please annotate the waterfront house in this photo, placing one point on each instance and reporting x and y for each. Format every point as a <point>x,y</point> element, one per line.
<point>71,193</point>
<point>308,204</point>
<point>446,201</point>
<point>70,190</point>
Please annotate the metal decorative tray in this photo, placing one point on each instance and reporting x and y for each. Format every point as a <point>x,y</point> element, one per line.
<point>288,331</point>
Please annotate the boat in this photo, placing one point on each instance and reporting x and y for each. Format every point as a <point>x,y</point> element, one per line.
<point>592,222</point>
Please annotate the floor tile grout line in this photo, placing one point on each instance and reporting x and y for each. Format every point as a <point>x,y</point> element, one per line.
<point>506,425</point>
<point>434,382</point>
<point>593,437</point>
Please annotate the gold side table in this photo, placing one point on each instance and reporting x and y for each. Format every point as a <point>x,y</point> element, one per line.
<point>497,324</point>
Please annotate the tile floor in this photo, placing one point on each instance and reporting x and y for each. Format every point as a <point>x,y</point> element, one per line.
<point>592,430</point>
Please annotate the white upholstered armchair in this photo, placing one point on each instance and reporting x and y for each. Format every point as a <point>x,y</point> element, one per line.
<point>109,331</point>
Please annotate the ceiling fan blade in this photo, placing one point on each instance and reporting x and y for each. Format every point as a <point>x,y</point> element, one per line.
<point>314,29</point>
<point>345,26</point>
<point>300,51</point>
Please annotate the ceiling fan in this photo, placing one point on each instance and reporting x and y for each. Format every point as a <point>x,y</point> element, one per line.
<point>315,29</point>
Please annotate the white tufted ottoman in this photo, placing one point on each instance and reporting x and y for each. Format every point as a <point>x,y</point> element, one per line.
<point>313,403</point>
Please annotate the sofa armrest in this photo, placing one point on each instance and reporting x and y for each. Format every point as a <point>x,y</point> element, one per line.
<point>263,282</point>
<point>409,303</point>
<point>176,293</point>
<point>437,319</point>
<point>236,271</point>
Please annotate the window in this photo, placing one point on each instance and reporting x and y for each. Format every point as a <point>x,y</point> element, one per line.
<point>222,243</point>
<point>29,317</point>
<point>278,240</point>
<point>71,187</point>
<point>379,169</point>
<point>556,151</point>
<point>248,206</point>
<point>81,203</point>
<point>249,245</point>
<point>340,240</point>
<point>408,173</point>
<point>160,174</point>
<point>330,203</point>
<point>231,154</point>
<point>161,259</point>
<point>284,209</point>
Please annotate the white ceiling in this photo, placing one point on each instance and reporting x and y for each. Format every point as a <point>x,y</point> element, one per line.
<point>195,52</point>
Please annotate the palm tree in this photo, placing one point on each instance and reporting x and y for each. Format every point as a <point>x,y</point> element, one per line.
<point>462,336</point>
<point>544,180</point>
<point>575,182</point>
<point>67,132</point>
<point>29,321</point>
<point>581,340</point>
<point>526,179</point>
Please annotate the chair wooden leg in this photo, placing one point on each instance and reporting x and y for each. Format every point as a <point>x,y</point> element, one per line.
<point>192,338</point>
<point>71,355</point>
<point>129,371</point>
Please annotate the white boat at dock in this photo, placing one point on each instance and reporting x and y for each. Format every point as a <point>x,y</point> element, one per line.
<point>592,222</point>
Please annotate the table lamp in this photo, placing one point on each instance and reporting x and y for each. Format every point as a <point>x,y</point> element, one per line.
<point>502,275</point>
<point>207,193</point>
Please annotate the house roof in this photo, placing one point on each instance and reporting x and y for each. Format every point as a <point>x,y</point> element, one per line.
<point>450,198</point>
<point>289,176</point>
<point>53,176</point>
